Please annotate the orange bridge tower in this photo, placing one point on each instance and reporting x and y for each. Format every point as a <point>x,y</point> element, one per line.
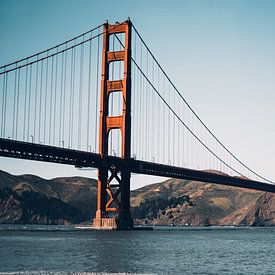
<point>113,200</point>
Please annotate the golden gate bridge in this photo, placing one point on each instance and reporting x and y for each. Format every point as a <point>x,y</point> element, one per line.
<point>102,100</point>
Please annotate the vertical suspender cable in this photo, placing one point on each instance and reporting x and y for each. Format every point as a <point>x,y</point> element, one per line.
<point>60,135</point>
<point>145,112</point>
<point>174,129</point>
<point>71,97</point>
<point>164,130</point>
<point>64,98</point>
<point>187,141</point>
<point>169,127</point>
<point>158,124</point>
<point>153,141</point>
<point>51,99</point>
<point>35,99</point>
<point>55,98</point>
<point>140,107</point>
<point>178,145</point>
<point>17,104</point>
<point>3,104</point>
<point>97,92</point>
<point>133,109</point>
<point>146,98</point>
<point>136,106</point>
<point>45,103</point>
<point>80,95</point>
<point>89,94</point>
<point>40,102</point>
<point>29,104</point>
<point>14,103</point>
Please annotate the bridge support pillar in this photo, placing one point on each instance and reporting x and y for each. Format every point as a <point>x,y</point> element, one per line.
<point>113,205</point>
<point>113,200</point>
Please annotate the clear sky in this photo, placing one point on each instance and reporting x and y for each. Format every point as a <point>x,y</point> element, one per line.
<point>220,55</point>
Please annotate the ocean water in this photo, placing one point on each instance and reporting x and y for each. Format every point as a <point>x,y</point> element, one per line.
<point>165,250</point>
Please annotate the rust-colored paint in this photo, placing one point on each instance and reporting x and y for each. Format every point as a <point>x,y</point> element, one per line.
<point>106,197</point>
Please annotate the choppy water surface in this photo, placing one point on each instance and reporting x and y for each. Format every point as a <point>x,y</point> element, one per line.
<point>163,250</point>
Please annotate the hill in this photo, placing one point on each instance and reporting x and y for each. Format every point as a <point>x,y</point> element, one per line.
<point>75,197</point>
<point>31,199</point>
<point>192,203</point>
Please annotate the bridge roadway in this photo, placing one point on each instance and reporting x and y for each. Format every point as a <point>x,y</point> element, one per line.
<point>39,152</point>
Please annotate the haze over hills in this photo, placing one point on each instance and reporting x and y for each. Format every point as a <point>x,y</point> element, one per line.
<point>31,199</point>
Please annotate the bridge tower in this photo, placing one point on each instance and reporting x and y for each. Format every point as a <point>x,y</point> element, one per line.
<point>113,200</point>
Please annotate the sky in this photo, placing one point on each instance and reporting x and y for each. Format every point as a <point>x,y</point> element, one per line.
<point>219,54</point>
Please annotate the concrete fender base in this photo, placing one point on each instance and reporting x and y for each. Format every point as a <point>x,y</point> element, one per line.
<point>109,224</point>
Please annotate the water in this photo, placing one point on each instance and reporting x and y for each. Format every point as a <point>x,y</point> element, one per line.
<point>171,250</point>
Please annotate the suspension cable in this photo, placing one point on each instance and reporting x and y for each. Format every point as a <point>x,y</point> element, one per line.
<point>191,109</point>
<point>52,48</point>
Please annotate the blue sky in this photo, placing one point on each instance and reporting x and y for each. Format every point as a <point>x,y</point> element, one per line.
<point>220,55</point>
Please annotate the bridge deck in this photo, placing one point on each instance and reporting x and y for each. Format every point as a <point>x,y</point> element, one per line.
<point>39,152</point>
